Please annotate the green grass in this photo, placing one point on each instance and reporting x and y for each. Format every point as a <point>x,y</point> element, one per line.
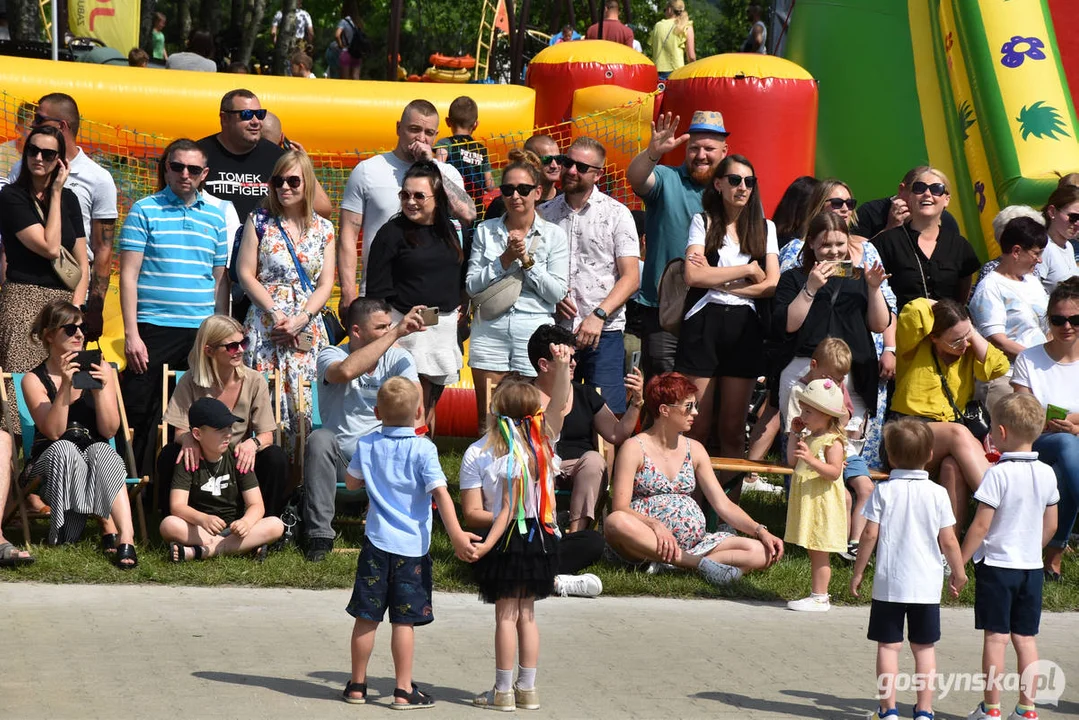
<point>84,563</point>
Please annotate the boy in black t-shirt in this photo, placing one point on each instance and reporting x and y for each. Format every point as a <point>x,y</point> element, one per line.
<point>215,510</point>
<point>467,155</point>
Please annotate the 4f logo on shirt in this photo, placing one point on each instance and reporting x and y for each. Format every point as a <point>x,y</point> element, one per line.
<point>215,484</point>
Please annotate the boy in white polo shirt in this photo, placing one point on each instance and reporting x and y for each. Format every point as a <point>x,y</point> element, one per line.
<point>1017,515</point>
<point>912,517</point>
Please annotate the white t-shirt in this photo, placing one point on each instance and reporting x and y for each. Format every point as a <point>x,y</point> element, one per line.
<point>303,21</point>
<point>473,473</point>
<point>1057,265</point>
<point>730,255</point>
<point>232,219</point>
<point>1052,383</point>
<point>1012,307</point>
<point>372,192</point>
<point>911,510</point>
<point>1019,487</point>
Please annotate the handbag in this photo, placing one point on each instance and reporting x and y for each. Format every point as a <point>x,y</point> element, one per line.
<point>974,417</point>
<point>497,298</point>
<point>335,331</point>
<point>64,265</point>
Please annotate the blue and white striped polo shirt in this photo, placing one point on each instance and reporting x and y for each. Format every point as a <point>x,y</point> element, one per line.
<point>180,245</point>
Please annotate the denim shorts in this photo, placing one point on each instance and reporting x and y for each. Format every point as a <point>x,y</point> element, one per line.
<point>856,467</point>
<point>605,368</point>
<point>501,345</point>
<point>401,584</point>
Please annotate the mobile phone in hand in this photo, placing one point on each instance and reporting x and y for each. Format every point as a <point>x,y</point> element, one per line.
<point>305,341</point>
<point>429,316</point>
<point>1055,412</point>
<point>635,360</point>
<point>83,380</point>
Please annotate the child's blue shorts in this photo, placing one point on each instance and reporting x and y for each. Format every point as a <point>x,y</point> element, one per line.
<point>1007,600</point>
<point>395,582</point>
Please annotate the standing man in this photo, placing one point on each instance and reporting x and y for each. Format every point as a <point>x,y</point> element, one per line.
<point>604,253</point>
<point>370,197</point>
<point>613,28</point>
<point>172,258</point>
<point>305,27</point>
<point>672,196</point>
<point>96,191</point>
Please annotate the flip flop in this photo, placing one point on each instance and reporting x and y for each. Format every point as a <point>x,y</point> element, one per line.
<point>10,557</point>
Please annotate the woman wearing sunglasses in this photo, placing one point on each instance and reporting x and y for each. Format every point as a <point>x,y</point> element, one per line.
<point>38,218</point>
<point>415,261</point>
<point>81,474</point>
<point>286,266</point>
<point>1061,214</point>
<point>522,245</point>
<point>925,258</point>
<point>1050,372</point>
<point>218,371</point>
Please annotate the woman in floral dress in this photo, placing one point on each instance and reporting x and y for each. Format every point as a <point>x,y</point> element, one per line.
<point>283,328</point>
<point>655,517</point>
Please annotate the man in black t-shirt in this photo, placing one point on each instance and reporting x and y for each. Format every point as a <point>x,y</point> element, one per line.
<point>876,216</point>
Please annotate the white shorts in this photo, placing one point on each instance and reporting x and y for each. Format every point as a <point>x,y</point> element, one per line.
<point>435,350</point>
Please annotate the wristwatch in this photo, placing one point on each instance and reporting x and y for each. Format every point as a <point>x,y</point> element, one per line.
<point>757,530</point>
<point>600,313</point>
<point>528,262</point>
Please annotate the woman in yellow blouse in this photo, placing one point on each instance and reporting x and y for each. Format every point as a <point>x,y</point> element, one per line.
<point>672,39</point>
<point>942,330</point>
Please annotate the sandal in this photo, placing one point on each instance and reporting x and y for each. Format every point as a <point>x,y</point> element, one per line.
<point>126,551</point>
<point>109,541</point>
<point>11,556</point>
<point>260,554</point>
<point>415,700</point>
<point>178,552</point>
<point>351,687</point>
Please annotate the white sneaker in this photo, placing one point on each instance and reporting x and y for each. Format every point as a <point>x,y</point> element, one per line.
<point>762,486</point>
<point>719,574</point>
<point>980,713</point>
<point>1028,715</point>
<point>810,604</point>
<point>586,585</point>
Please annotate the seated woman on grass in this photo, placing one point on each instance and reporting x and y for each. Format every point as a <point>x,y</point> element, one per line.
<point>216,509</point>
<point>655,517</point>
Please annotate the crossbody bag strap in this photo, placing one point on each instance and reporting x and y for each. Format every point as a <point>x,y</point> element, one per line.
<point>921,271</point>
<point>944,385</point>
<point>305,282</point>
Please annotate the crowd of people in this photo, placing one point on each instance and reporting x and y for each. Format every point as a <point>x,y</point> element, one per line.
<point>863,323</point>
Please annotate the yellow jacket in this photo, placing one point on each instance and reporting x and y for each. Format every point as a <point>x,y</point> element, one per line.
<point>918,388</point>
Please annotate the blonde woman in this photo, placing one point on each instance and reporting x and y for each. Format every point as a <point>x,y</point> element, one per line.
<point>218,371</point>
<point>672,39</point>
<point>286,266</point>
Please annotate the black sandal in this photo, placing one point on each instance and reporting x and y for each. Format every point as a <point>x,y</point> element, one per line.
<point>178,552</point>
<point>109,541</point>
<point>416,700</point>
<point>260,553</point>
<point>355,687</point>
<point>126,551</point>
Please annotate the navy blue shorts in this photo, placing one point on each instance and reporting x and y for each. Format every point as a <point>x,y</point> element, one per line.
<point>1007,600</point>
<point>886,622</point>
<point>385,580</point>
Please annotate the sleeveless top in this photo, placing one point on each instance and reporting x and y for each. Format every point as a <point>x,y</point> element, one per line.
<point>82,413</point>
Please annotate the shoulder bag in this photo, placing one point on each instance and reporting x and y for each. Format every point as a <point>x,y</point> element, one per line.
<point>974,417</point>
<point>335,331</point>
<point>673,292</point>
<point>497,298</point>
<point>65,265</point>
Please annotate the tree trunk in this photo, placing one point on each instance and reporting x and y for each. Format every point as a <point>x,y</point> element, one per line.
<point>24,19</point>
<point>286,31</point>
<point>185,22</point>
<point>252,19</point>
<point>393,49</point>
<point>211,15</point>
<point>146,23</point>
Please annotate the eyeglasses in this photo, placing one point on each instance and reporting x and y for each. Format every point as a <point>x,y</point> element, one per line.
<point>838,203</point>
<point>582,167</point>
<point>548,159</point>
<point>40,119</point>
<point>234,347</point>
<point>1059,320</point>
<point>33,150</point>
<point>72,328</point>
<point>247,113</point>
<point>192,170</point>
<point>735,180</point>
<point>687,407</point>
<point>936,189</point>
<point>1073,218</point>
<point>417,196</point>
<point>522,189</point>
<point>956,344</point>
<point>278,181</point>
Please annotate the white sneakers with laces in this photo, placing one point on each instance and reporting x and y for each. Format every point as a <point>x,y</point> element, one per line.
<point>810,604</point>
<point>586,585</point>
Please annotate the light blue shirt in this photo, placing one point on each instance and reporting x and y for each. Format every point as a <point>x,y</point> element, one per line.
<point>400,470</point>
<point>544,285</point>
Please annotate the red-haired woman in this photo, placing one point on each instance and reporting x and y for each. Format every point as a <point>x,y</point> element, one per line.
<point>655,517</point>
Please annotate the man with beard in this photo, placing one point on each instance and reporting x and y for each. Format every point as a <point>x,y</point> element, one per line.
<point>371,199</point>
<point>672,196</point>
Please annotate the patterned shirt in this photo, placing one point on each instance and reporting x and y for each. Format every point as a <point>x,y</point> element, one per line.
<point>600,233</point>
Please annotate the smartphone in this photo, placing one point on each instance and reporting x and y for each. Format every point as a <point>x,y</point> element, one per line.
<point>847,269</point>
<point>305,341</point>
<point>429,316</point>
<point>635,360</point>
<point>1055,412</point>
<point>83,380</point>
<point>225,533</point>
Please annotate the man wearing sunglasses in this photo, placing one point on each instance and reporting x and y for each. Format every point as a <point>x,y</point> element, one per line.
<point>96,191</point>
<point>173,249</point>
<point>876,216</point>
<point>604,252</point>
<point>672,196</point>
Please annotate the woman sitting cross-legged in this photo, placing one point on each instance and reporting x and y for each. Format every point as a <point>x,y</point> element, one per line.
<point>216,509</point>
<point>81,474</point>
<point>655,516</point>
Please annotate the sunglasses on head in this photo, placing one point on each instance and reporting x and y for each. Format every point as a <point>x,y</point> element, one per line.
<point>548,159</point>
<point>582,167</point>
<point>417,196</point>
<point>72,328</point>
<point>234,347</point>
<point>248,113</point>
<point>179,167</point>
<point>1059,320</point>
<point>838,203</point>
<point>936,189</point>
<point>278,181</point>
<point>522,189</point>
<point>735,180</point>
<point>47,155</point>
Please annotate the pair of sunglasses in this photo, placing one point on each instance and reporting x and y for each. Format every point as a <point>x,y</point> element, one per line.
<point>33,150</point>
<point>234,347</point>
<point>522,189</point>
<point>1073,218</point>
<point>278,181</point>
<point>192,170</point>
<point>72,328</point>
<point>417,196</point>
<point>1060,320</point>
<point>548,159</point>
<point>936,189</point>
<point>735,180</point>
<point>247,114</point>
<point>838,203</point>
<point>582,167</point>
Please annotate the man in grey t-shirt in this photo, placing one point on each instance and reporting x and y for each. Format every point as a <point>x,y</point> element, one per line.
<point>347,387</point>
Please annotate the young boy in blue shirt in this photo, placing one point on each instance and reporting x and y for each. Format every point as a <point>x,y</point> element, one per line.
<point>401,473</point>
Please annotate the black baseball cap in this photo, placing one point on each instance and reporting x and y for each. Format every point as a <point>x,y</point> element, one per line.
<point>210,412</point>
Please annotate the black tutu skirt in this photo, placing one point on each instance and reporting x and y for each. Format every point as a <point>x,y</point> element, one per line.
<point>522,567</point>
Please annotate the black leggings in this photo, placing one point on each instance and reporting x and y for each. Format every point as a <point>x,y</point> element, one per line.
<point>271,469</point>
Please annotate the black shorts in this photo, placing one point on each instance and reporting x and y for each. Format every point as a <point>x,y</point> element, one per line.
<point>721,341</point>
<point>1007,600</point>
<point>401,584</point>
<point>886,622</point>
